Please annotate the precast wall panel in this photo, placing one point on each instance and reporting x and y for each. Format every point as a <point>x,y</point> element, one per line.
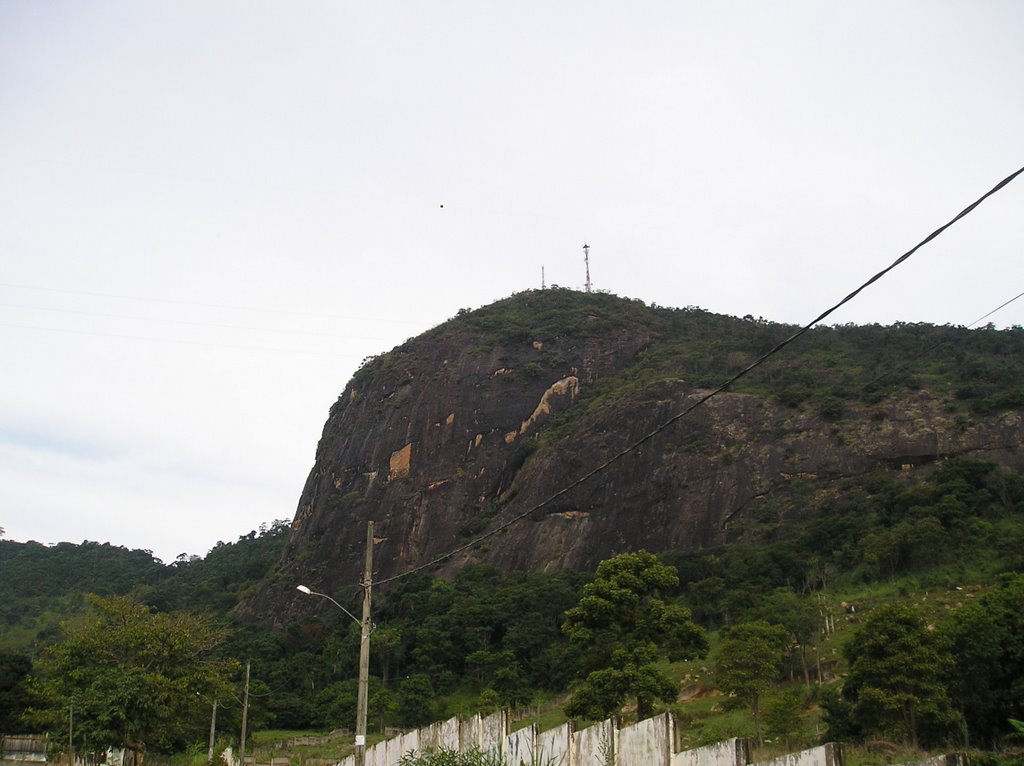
<point>521,746</point>
<point>730,752</point>
<point>436,735</point>
<point>554,746</point>
<point>955,759</point>
<point>427,736</point>
<point>493,730</point>
<point>469,733</point>
<point>647,743</point>
<point>595,745</point>
<point>830,754</point>
<point>448,734</point>
<point>377,755</point>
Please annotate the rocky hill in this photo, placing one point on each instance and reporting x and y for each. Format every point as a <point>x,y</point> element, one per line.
<point>488,415</point>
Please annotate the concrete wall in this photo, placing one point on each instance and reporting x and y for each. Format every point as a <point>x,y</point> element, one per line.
<point>493,730</point>
<point>596,745</point>
<point>443,735</point>
<point>521,746</point>
<point>647,743</point>
<point>404,743</point>
<point>469,733</point>
<point>730,752</point>
<point>825,755</point>
<point>554,746</point>
<point>377,755</point>
<point>956,759</point>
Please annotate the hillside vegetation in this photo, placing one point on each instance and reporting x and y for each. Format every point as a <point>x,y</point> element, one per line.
<point>927,542</point>
<point>486,639</point>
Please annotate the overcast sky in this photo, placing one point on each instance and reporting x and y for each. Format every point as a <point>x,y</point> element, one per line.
<point>211,212</point>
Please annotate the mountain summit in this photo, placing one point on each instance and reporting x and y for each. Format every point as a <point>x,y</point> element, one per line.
<point>494,412</point>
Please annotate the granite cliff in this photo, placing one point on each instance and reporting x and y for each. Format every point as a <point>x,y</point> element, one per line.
<point>492,413</point>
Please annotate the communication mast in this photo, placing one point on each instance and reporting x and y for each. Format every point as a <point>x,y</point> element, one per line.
<point>586,260</point>
<point>542,285</point>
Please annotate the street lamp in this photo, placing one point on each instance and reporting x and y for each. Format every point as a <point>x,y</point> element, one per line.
<point>364,645</point>
<point>308,592</point>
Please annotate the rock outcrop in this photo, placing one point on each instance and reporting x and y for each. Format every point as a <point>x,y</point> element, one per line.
<point>487,418</point>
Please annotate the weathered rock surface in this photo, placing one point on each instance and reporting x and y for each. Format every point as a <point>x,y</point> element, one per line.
<point>460,430</point>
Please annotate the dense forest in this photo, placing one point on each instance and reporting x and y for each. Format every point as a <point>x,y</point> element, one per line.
<point>484,638</point>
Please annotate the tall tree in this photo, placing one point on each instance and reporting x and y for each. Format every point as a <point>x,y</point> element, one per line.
<point>749,660</point>
<point>987,638</point>
<point>136,679</point>
<point>622,625</point>
<point>896,684</point>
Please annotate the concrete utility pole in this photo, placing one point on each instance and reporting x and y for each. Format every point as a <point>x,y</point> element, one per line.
<point>364,651</point>
<point>245,715</point>
<point>213,732</point>
<point>365,626</point>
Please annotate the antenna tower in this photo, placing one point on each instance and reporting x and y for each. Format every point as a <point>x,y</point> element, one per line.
<point>586,260</point>
<point>542,285</point>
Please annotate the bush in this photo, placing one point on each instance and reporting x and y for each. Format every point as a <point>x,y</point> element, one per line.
<point>446,757</point>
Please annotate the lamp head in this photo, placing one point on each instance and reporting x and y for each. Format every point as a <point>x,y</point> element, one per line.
<point>303,589</point>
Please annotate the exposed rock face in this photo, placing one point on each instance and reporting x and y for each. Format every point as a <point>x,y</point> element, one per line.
<point>456,432</point>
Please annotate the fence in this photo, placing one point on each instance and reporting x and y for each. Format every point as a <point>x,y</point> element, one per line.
<point>648,743</point>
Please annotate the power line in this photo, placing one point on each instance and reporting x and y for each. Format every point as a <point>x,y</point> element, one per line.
<point>997,308</point>
<point>905,363</point>
<point>687,410</point>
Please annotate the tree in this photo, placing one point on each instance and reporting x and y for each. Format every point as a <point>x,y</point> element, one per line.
<point>782,715</point>
<point>987,639</point>
<point>136,679</point>
<point>383,706</point>
<point>417,701</point>
<point>622,626</point>
<point>798,615</point>
<point>749,660</point>
<point>14,694</point>
<point>896,681</point>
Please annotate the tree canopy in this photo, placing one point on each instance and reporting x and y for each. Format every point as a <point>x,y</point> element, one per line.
<point>622,625</point>
<point>897,682</point>
<point>987,638</point>
<point>135,679</point>
<point>749,660</point>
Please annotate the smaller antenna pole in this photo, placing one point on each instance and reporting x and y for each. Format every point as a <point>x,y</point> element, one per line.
<point>586,260</point>
<point>542,285</point>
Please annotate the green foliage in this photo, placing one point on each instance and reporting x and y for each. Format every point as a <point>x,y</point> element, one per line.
<point>622,625</point>
<point>136,679</point>
<point>14,693</point>
<point>749,661</point>
<point>896,683</point>
<point>44,585</point>
<point>987,638</point>
<point>417,701</point>
<point>444,757</point>
<point>782,715</point>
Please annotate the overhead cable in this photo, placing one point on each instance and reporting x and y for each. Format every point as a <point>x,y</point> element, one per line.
<point>701,400</point>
